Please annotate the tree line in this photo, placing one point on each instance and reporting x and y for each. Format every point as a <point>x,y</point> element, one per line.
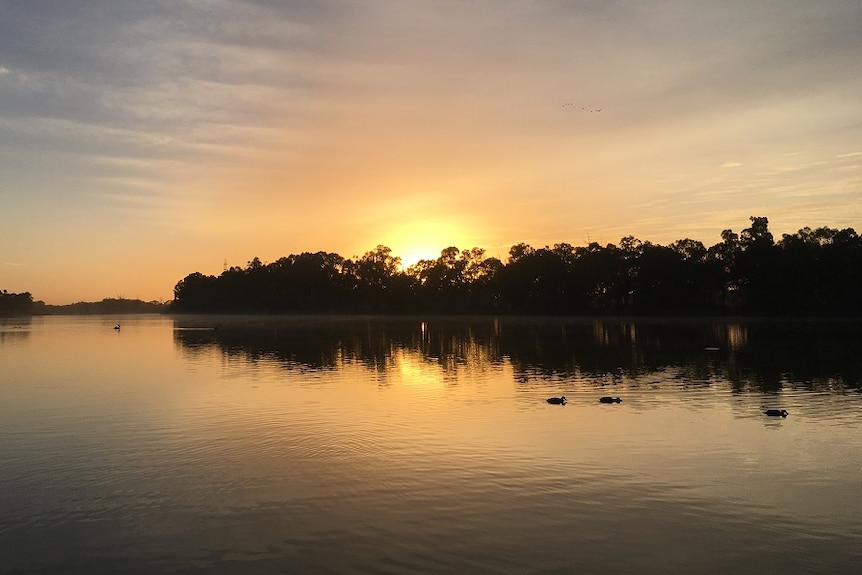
<point>814,271</point>
<point>108,305</point>
<point>22,304</point>
<point>15,303</point>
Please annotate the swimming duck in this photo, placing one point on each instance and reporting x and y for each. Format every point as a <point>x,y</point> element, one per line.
<point>776,412</point>
<point>557,400</point>
<point>117,326</point>
<point>609,399</point>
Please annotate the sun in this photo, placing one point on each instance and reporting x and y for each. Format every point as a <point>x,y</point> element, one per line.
<point>412,253</point>
<point>424,239</point>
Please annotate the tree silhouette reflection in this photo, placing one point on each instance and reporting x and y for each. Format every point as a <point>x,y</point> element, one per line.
<point>755,354</point>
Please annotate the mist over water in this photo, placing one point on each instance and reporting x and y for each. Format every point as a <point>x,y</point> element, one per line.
<point>373,445</point>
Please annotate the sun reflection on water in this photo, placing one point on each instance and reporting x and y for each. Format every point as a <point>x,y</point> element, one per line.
<point>353,444</point>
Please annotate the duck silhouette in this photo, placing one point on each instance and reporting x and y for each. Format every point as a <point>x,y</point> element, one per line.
<point>776,412</point>
<point>117,326</point>
<point>557,400</point>
<point>609,399</point>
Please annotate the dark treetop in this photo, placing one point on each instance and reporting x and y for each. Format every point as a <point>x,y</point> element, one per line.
<point>811,272</point>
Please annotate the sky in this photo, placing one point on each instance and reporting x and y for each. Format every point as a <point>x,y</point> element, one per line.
<point>144,141</point>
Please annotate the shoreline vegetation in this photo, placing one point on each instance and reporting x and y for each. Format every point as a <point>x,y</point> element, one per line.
<point>12,304</point>
<point>810,273</point>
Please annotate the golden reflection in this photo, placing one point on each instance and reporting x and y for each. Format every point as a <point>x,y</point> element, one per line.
<point>737,336</point>
<point>414,370</point>
<point>600,333</point>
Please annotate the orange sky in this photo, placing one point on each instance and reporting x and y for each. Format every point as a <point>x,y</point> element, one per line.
<point>140,143</point>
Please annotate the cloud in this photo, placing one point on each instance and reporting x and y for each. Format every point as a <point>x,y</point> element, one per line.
<point>14,264</point>
<point>307,125</point>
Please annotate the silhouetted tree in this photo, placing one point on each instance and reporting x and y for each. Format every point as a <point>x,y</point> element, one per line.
<point>821,270</point>
<point>15,303</point>
<point>197,293</point>
<point>596,274</point>
<point>379,285</point>
<point>812,271</point>
<point>755,267</point>
<point>534,281</point>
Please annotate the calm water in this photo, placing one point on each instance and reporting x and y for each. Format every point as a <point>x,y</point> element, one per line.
<point>401,446</point>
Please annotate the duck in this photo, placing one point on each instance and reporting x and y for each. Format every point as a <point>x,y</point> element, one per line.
<point>609,399</point>
<point>117,326</point>
<point>557,400</point>
<point>776,412</point>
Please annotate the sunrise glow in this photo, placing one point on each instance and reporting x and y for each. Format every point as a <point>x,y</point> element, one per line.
<point>136,150</point>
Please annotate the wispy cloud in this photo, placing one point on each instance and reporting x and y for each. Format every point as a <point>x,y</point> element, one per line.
<point>328,124</point>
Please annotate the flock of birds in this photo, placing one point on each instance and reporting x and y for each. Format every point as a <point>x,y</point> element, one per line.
<point>608,399</point>
<point>583,109</point>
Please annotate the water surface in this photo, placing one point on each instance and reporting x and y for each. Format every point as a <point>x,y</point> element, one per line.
<point>363,445</point>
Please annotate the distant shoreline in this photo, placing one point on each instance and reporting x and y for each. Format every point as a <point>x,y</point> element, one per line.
<point>137,307</point>
<point>164,309</point>
<point>681,319</point>
<point>114,306</point>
